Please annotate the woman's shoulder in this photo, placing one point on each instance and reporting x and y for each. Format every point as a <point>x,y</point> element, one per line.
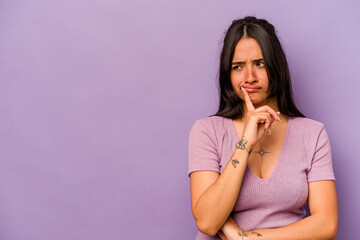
<point>304,124</point>
<point>212,124</point>
<point>215,120</point>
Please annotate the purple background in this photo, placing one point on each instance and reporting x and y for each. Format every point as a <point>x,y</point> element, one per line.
<point>97,98</point>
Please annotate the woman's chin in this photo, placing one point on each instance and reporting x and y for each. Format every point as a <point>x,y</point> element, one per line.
<point>258,103</point>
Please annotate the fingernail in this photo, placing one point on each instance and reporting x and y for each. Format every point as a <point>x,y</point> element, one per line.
<point>278,113</point>
<point>279,119</point>
<point>241,88</point>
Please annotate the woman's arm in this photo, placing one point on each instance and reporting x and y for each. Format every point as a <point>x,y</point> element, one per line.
<point>322,224</point>
<point>213,196</point>
<point>230,230</point>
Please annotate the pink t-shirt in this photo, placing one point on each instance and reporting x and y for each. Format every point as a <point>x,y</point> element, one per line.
<point>278,200</point>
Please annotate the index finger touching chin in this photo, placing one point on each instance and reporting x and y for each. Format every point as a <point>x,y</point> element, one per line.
<point>248,103</point>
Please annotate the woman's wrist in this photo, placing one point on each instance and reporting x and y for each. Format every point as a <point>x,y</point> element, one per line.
<point>243,144</point>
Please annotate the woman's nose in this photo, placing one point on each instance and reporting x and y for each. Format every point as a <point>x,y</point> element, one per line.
<point>250,76</point>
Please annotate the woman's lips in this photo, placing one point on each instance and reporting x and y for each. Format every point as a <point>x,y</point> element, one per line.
<point>251,89</point>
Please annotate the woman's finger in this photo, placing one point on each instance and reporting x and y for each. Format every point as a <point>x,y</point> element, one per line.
<point>268,109</point>
<point>263,118</point>
<point>248,103</point>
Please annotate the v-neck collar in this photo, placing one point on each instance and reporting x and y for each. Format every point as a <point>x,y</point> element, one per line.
<point>282,152</point>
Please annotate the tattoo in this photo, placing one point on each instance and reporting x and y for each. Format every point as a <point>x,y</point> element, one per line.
<point>234,162</point>
<point>257,234</point>
<point>243,234</point>
<point>242,145</point>
<point>262,152</point>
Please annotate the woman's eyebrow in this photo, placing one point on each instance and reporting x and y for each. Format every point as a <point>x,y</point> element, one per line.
<point>236,63</point>
<point>255,60</point>
<point>258,60</point>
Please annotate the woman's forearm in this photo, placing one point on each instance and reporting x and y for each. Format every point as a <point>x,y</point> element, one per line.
<point>216,203</point>
<point>230,230</point>
<point>311,228</point>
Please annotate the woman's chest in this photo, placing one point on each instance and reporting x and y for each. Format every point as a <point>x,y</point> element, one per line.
<point>286,186</point>
<point>276,174</point>
<point>265,156</point>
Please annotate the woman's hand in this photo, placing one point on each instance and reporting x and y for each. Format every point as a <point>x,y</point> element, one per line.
<point>256,121</point>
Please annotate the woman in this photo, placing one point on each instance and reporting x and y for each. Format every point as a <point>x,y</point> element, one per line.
<point>256,162</point>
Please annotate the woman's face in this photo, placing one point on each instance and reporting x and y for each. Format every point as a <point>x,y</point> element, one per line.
<point>248,71</point>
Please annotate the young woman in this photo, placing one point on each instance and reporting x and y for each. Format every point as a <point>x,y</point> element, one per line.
<point>256,162</point>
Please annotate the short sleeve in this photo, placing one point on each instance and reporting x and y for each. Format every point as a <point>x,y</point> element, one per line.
<point>321,166</point>
<point>203,154</point>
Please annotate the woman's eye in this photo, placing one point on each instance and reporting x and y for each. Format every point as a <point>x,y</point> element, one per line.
<point>260,64</point>
<point>237,67</point>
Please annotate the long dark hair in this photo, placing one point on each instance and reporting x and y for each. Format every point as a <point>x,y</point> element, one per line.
<point>230,105</point>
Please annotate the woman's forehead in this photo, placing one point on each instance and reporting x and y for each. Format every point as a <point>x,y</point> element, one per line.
<point>247,49</point>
